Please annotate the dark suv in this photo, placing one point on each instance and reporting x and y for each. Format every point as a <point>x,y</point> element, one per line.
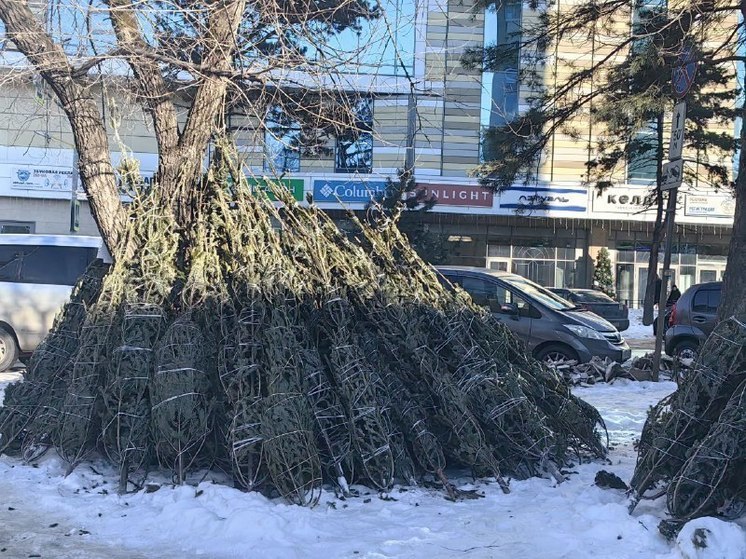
<point>554,329</point>
<point>692,319</point>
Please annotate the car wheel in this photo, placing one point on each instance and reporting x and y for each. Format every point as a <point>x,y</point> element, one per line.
<point>686,349</point>
<point>556,354</point>
<point>8,350</point>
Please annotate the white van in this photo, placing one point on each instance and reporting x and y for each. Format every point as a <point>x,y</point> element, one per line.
<point>37,273</point>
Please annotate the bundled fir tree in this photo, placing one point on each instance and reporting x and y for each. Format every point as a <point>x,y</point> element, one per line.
<point>245,331</point>
<point>602,277</point>
<point>292,360</point>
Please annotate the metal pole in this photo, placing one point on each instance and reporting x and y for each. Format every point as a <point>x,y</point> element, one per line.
<point>670,218</point>
<point>74,204</point>
<point>411,125</point>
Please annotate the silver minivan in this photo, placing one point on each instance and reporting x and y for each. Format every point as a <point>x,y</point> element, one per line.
<point>37,273</point>
<point>553,328</point>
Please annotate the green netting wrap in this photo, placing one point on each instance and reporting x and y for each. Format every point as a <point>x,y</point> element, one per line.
<point>180,397</point>
<point>360,390</point>
<point>79,423</point>
<point>125,430</point>
<point>692,445</point>
<point>260,338</point>
<point>241,378</point>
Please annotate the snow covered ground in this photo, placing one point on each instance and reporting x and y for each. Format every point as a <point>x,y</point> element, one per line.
<point>44,514</point>
<point>636,330</point>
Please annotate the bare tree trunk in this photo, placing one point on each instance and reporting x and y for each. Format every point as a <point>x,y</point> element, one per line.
<point>209,101</point>
<point>181,153</point>
<point>89,132</point>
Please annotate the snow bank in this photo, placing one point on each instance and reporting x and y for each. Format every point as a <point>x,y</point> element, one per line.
<point>79,516</point>
<point>711,538</point>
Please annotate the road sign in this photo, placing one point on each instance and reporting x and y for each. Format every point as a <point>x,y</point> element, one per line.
<point>673,173</point>
<point>684,72</point>
<point>676,144</point>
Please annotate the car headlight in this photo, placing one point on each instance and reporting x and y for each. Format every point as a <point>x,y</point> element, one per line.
<point>584,332</point>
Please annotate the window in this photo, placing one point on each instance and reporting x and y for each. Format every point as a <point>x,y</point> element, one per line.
<point>57,265</point>
<point>354,152</point>
<point>9,263</point>
<point>500,86</point>
<point>491,296</point>
<point>282,138</point>
<point>706,301</point>
<point>380,46</point>
<point>642,155</point>
<point>17,227</point>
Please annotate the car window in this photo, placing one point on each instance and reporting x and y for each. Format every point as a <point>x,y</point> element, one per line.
<point>492,295</point>
<point>590,296</point>
<point>482,292</point>
<point>58,265</point>
<point>706,301</point>
<point>10,258</point>
<point>540,294</point>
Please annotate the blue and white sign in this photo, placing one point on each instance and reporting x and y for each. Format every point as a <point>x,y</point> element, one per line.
<point>532,199</point>
<point>349,191</point>
<point>684,72</point>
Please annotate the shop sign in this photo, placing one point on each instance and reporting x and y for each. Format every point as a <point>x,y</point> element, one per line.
<point>458,194</point>
<point>295,186</point>
<point>47,179</point>
<point>624,200</point>
<point>709,206</point>
<point>544,199</point>
<point>347,191</point>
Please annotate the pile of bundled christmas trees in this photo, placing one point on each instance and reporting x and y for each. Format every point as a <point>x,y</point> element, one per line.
<point>266,341</point>
<point>693,445</point>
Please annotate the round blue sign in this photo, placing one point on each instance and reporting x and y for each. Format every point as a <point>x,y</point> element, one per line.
<point>684,71</point>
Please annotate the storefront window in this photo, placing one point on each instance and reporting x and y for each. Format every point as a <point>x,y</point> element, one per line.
<point>687,275</point>
<point>548,266</point>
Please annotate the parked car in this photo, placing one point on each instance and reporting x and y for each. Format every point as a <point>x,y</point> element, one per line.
<point>597,302</point>
<point>553,328</point>
<point>37,273</point>
<point>692,319</point>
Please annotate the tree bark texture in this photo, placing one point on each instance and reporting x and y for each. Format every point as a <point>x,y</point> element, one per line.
<point>220,42</point>
<point>89,132</point>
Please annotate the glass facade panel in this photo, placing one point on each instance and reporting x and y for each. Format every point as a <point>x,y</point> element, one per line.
<point>708,275</point>
<point>498,250</point>
<point>625,282</point>
<point>354,153</point>
<point>547,265</point>
<point>500,87</point>
<point>542,272</point>
<point>625,256</point>
<point>383,46</point>
<point>281,143</point>
<point>642,162</point>
<point>687,277</point>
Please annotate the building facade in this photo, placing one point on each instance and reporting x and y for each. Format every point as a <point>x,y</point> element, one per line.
<point>549,231</point>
